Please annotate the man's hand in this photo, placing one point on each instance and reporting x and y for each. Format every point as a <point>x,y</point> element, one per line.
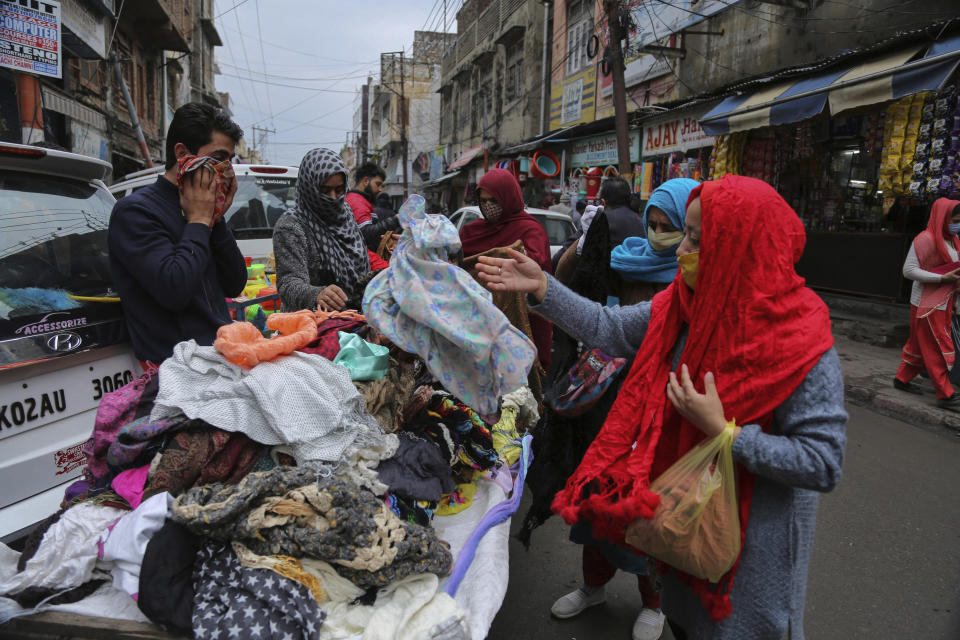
<point>231,192</point>
<point>332,298</point>
<point>198,196</point>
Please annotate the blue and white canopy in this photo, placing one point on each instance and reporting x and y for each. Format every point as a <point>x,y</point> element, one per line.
<point>884,78</point>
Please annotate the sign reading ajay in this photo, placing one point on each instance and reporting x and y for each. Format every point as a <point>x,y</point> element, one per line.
<point>602,150</point>
<point>30,37</point>
<point>679,134</point>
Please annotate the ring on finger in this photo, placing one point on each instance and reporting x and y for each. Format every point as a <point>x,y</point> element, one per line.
<point>500,270</point>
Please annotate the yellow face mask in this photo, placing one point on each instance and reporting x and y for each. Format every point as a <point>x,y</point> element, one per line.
<point>689,267</point>
<point>665,240</point>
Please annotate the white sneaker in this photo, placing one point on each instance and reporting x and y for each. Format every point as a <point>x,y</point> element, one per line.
<point>575,602</point>
<point>649,624</point>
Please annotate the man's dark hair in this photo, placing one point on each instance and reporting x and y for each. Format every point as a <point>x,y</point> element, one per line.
<point>581,206</point>
<point>193,124</point>
<point>368,170</point>
<point>616,192</point>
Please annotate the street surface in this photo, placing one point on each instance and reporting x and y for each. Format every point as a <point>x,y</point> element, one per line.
<point>886,560</point>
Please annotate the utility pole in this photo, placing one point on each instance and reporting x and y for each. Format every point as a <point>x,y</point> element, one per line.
<point>403,125</point>
<point>615,60</point>
<point>263,131</point>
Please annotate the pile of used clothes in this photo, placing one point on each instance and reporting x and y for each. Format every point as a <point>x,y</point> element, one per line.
<point>273,488</point>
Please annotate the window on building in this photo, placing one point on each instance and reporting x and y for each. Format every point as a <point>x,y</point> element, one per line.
<point>385,118</point>
<point>513,84</point>
<point>579,31</point>
<point>463,105</point>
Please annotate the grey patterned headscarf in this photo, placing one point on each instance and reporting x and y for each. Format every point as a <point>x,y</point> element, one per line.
<point>333,229</point>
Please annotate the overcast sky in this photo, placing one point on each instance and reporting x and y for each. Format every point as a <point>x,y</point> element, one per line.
<point>322,51</point>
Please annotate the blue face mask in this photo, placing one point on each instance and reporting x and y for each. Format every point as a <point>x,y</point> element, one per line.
<point>954,228</point>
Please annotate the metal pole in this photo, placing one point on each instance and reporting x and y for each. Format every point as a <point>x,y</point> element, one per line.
<point>134,120</point>
<point>403,125</point>
<point>543,66</point>
<point>619,88</point>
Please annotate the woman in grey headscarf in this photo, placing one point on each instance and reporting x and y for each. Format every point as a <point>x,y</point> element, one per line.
<point>321,257</point>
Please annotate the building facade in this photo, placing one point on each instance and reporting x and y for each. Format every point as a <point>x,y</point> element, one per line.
<point>494,79</point>
<point>164,49</point>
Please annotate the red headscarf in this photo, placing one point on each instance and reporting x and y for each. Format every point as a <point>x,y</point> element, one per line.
<point>752,322</point>
<point>515,224</point>
<point>931,248</point>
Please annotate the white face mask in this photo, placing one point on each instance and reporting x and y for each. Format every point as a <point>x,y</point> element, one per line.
<point>665,240</point>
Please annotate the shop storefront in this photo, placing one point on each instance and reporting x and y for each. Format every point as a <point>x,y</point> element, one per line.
<point>594,158</point>
<point>673,147</point>
<point>860,152</point>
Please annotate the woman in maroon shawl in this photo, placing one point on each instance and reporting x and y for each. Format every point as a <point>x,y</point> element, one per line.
<point>504,222</point>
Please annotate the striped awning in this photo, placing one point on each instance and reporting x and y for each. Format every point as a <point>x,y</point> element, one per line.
<point>887,77</point>
<point>465,158</point>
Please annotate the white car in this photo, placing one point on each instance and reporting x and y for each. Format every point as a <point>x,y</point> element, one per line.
<point>63,343</point>
<point>264,193</point>
<point>559,226</point>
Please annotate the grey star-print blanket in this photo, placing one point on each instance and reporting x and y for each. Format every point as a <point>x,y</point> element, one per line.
<point>231,601</point>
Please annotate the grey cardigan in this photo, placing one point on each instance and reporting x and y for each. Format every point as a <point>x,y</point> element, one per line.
<point>801,456</point>
<point>300,274</point>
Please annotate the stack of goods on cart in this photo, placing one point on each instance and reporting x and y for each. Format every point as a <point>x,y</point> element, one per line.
<point>332,481</point>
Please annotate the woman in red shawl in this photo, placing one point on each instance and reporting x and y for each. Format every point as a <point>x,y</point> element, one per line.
<point>504,222</point>
<point>932,303</point>
<point>736,341</point>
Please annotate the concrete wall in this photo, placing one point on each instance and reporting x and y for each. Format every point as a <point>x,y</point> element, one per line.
<point>758,38</point>
<point>485,30</point>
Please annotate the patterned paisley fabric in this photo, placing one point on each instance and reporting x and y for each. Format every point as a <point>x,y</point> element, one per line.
<point>432,308</point>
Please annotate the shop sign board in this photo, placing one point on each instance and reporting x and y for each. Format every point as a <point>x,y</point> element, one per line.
<point>30,36</point>
<point>601,150</point>
<point>677,134</point>
<point>572,101</point>
<point>652,21</point>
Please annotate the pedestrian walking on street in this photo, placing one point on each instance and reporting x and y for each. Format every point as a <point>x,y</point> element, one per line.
<point>644,268</point>
<point>504,221</point>
<point>737,341</point>
<point>321,257</point>
<point>932,264</point>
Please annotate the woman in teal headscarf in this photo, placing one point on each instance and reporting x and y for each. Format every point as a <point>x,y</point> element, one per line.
<point>647,265</point>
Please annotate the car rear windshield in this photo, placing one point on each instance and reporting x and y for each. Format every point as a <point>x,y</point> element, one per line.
<point>258,204</point>
<point>53,248</point>
<point>558,230</point>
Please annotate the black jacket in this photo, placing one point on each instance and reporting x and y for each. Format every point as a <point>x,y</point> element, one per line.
<point>172,276</point>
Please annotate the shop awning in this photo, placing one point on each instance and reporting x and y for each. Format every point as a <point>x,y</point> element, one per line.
<point>465,158</point>
<point>439,181</point>
<point>884,78</point>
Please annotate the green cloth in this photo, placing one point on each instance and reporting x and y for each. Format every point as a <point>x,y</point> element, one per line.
<point>365,361</point>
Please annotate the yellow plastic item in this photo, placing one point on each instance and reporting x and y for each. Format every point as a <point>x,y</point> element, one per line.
<point>696,527</point>
<point>91,298</point>
<point>253,288</point>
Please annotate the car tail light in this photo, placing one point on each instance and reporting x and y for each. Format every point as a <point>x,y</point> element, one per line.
<point>22,152</point>
<point>268,169</point>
